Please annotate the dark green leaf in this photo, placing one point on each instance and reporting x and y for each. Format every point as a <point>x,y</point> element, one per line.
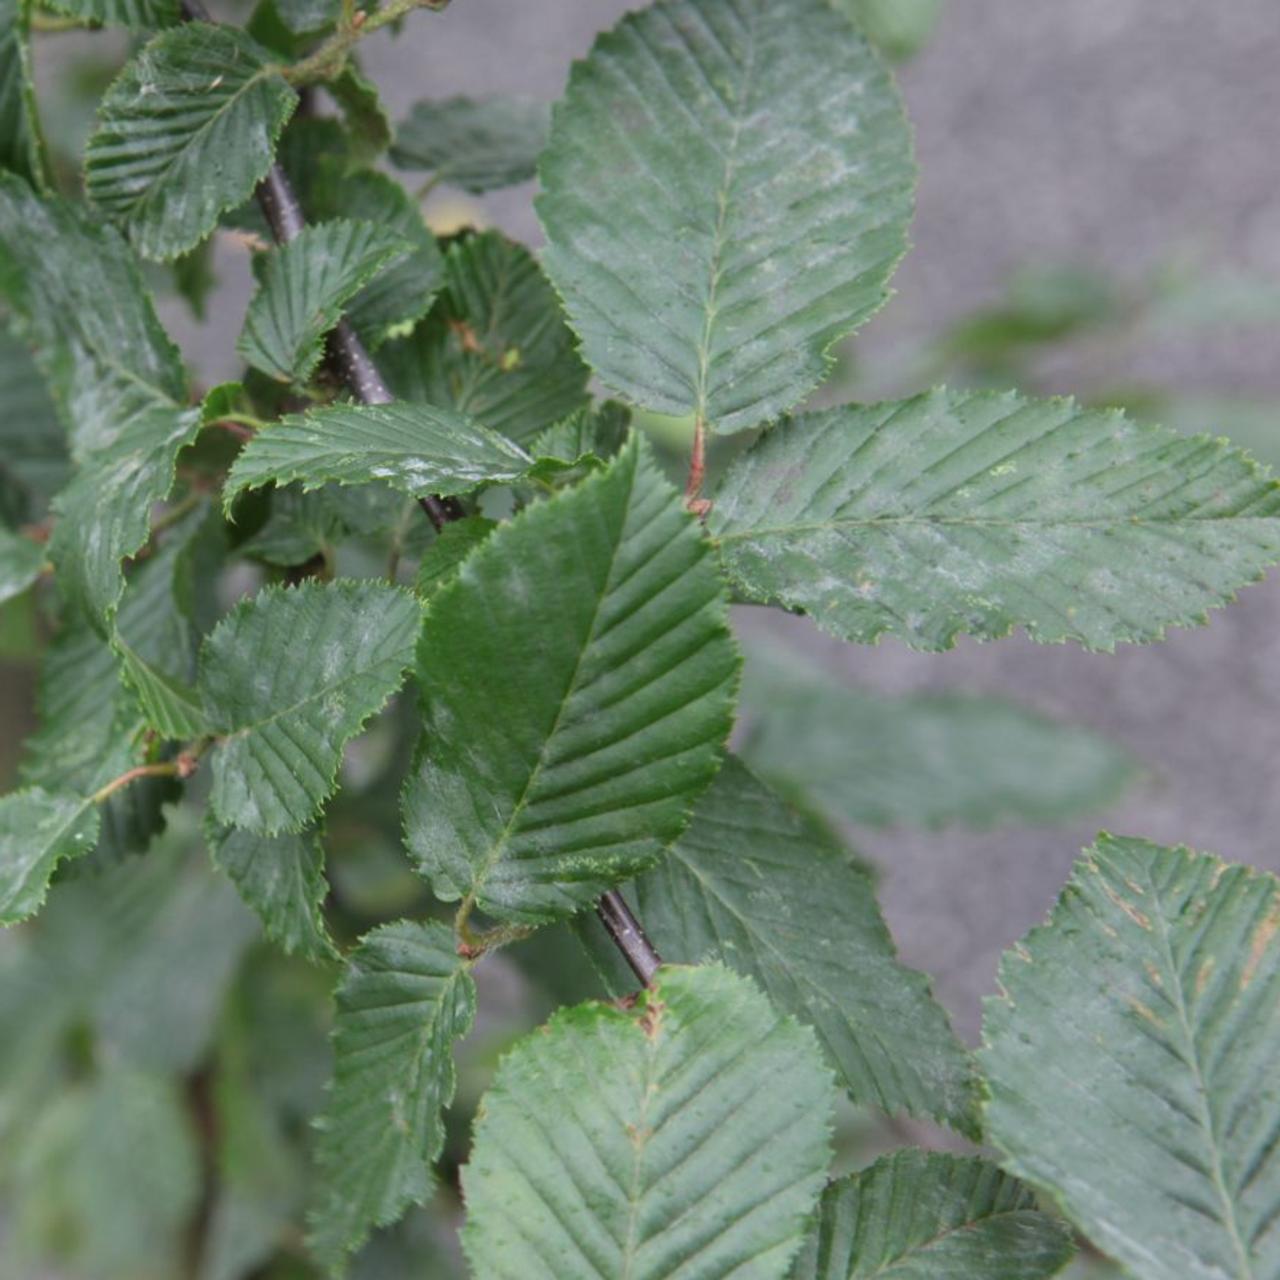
<point>186,132</point>
<point>594,431</point>
<point>683,1139</point>
<point>21,146</point>
<point>404,1000</point>
<point>747,884</point>
<point>282,878</point>
<point>578,681</point>
<point>974,512</point>
<point>142,15</point>
<point>918,1215</point>
<point>726,193</point>
<point>443,558</point>
<point>414,448</point>
<point>478,144</point>
<point>104,514</point>
<point>923,759</point>
<point>305,284</point>
<point>288,677</point>
<point>79,302</point>
<point>495,346</point>
<point>1131,1061</point>
<point>20,562</point>
<point>366,117</point>
<point>33,448</point>
<point>38,829</point>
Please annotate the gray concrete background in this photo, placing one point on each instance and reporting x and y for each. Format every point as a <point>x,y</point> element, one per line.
<point>1106,131</point>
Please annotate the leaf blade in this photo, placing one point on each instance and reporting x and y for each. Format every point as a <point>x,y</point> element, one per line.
<point>632,660</point>
<point>1181,982</point>
<point>747,134</point>
<point>974,513</point>
<point>38,830</point>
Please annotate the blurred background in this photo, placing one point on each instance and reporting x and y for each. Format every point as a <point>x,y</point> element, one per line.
<point>1099,214</point>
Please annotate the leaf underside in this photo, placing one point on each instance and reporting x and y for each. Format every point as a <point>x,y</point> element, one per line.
<point>545,780</point>
<point>1131,1061</point>
<point>726,192</point>
<point>683,1139</point>
<point>975,512</point>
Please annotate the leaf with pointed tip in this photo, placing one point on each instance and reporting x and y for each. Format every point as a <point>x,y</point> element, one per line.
<point>140,15</point>
<point>686,1138</point>
<point>404,1000</point>
<point>401,294</point>
<point>288,678</point>
<point>186,132</point>
<point>495,346</point>
<point>20,562</point>
<point>545,781</point>
<point>304,287</point>
<point>975,512</point>
<point>921,759</point>
<point>743,885</point>
<point>21,146</point>
<point>726,193</point>
<point>478,144</point>
<point>923,1215</point>
<point>104,514</point>
<point>78,299</point>
<point>443,558</point>
<point>38,829</point>
<point>415,448</point>
<point>1130,1061</point>
<point>282,879</point>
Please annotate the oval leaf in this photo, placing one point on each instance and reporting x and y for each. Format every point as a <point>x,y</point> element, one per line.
<point>727,192</point>
<point>1131,1061</point>
<point>974,513</point>
<point>187,131</point>
<point>577,680</point>
<point>683,1139</point>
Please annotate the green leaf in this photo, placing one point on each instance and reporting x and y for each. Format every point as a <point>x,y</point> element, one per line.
<point>78,300</point>
<point>495,346</point>
<point>546,779</point>
<point>304,286</point>
<point>404,999</point>
<point>443,558</point>
<point>726,193</point>
<point>282,879</point>
<point>21,146</point>
<point>186,132</point>
<point>366,117</point>
<point>1131,1061</point>
<point>104,514</point>
<point>38,829</point>
<point>302,16</point>
<point>21,560</point>
<point>744,885</point>
<point>141,15</point>
<point>115,1168</point>
<point>919,1215</point>
<point>478,144</point>
<point>685,1137</point>
<point>289,677</point>
<point>898,28</point>
<point>593,431</point>
<point>33,449</point>
<point>400,295</point>
<point>415,448</point>
<point>922,759</point>
<point>973,512</point>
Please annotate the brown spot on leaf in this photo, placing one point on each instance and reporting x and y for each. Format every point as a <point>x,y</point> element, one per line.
<point>1263,936</point>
